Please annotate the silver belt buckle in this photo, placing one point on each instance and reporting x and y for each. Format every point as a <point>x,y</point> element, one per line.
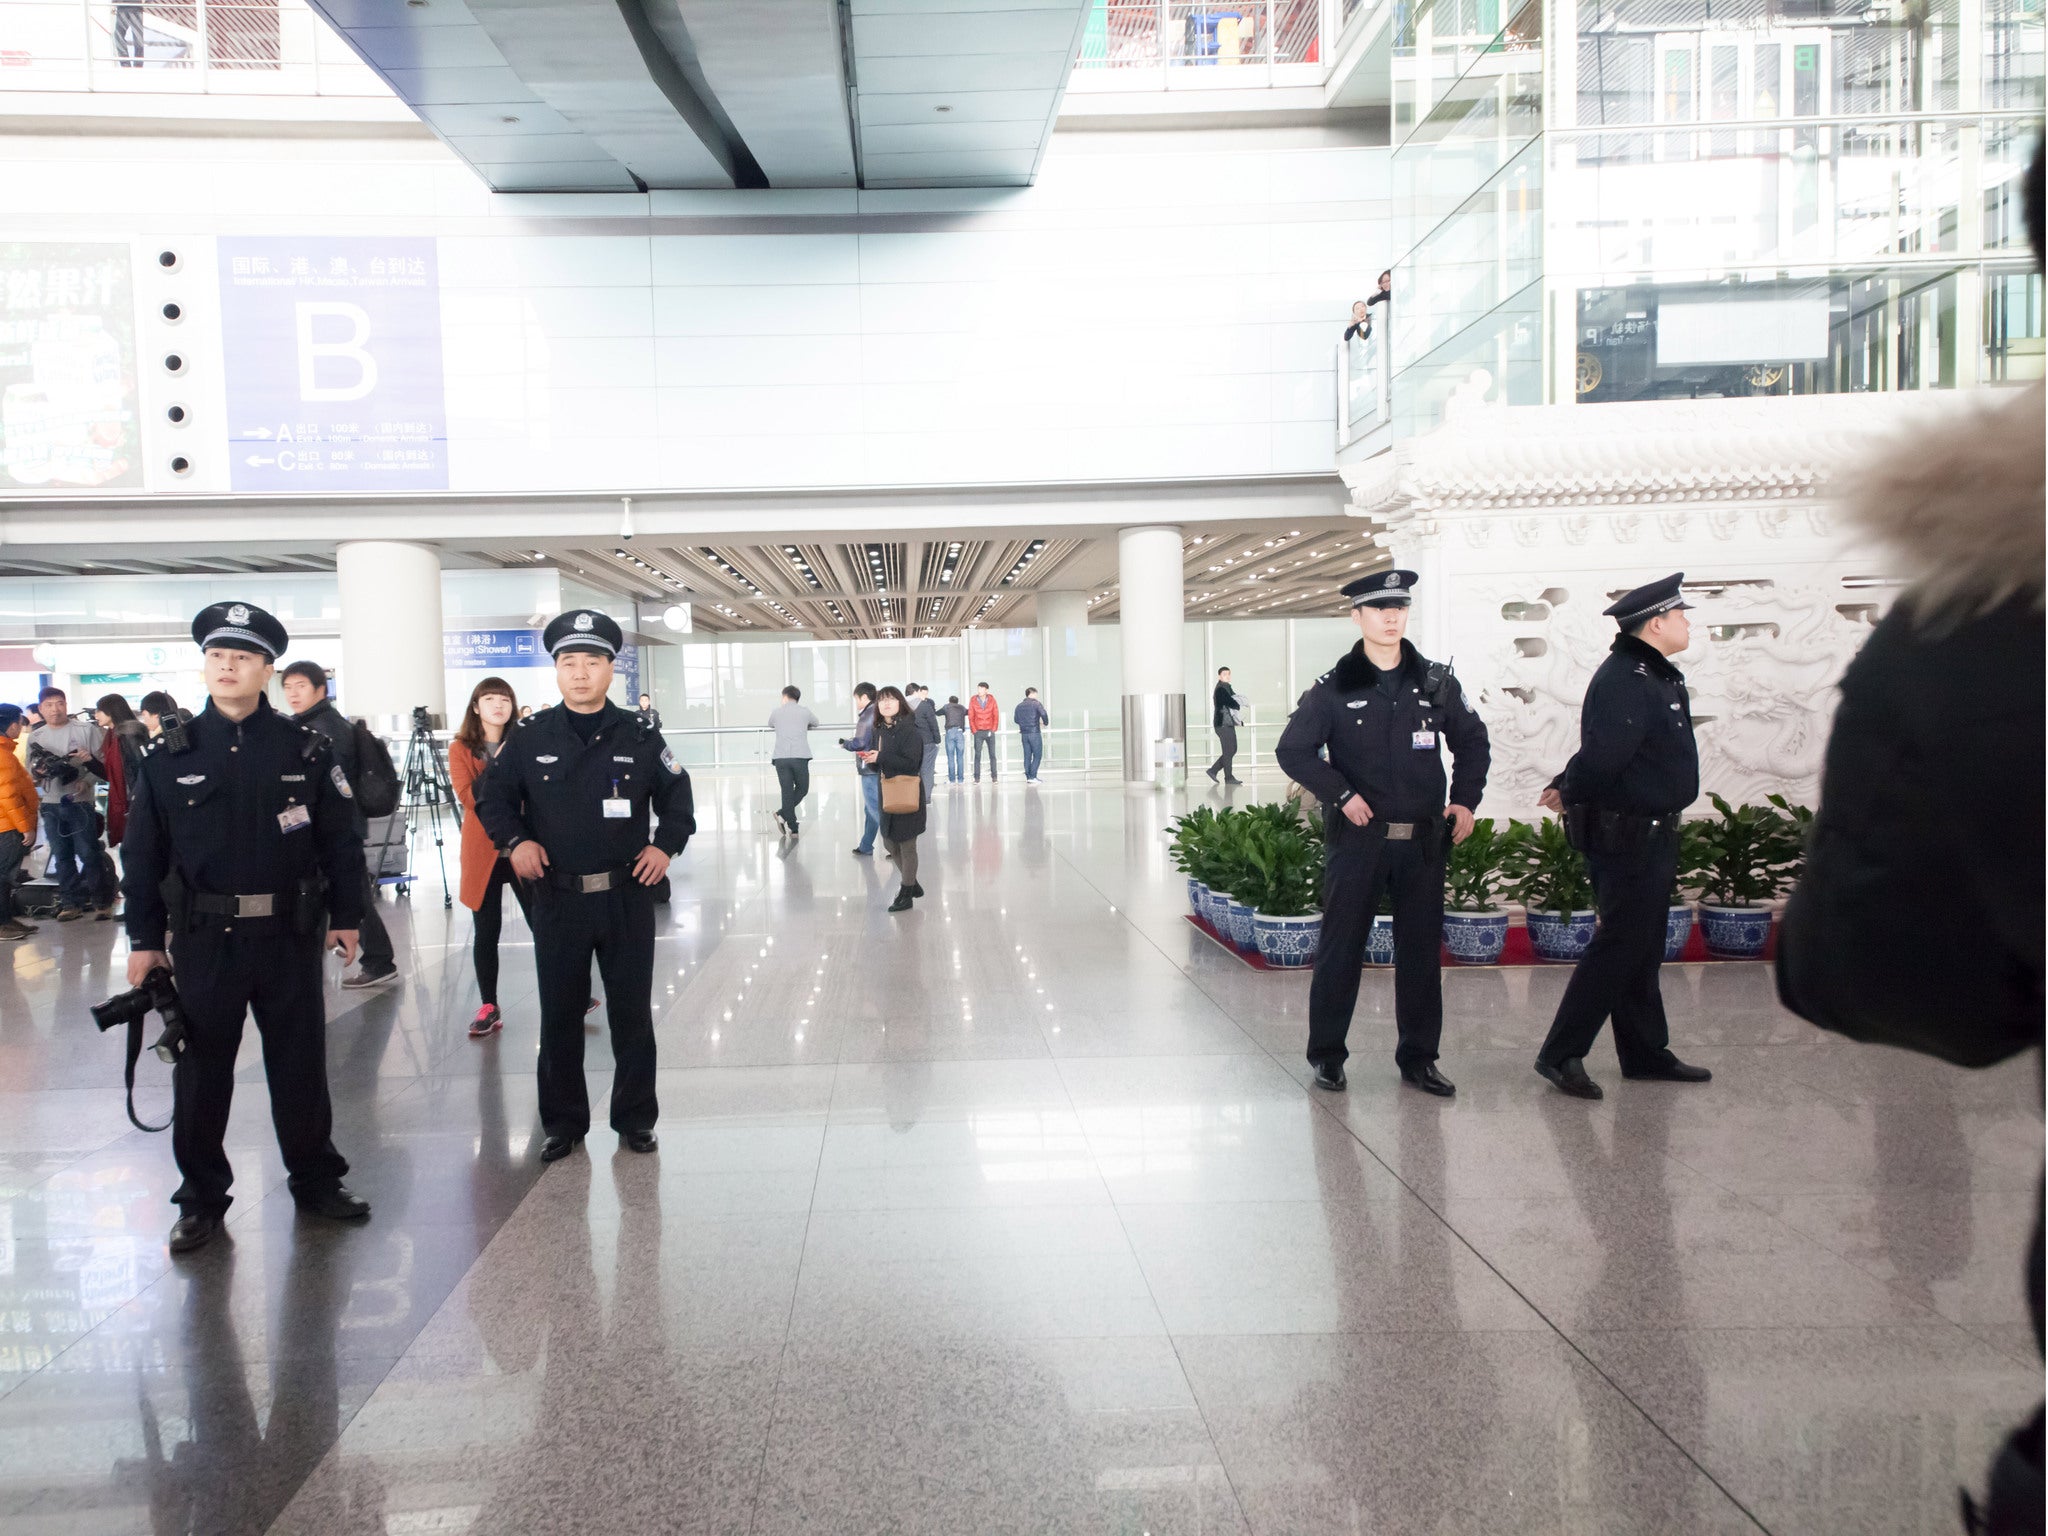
<point>1400,831</point>
<point>254,906</point>
<point>595,883</point>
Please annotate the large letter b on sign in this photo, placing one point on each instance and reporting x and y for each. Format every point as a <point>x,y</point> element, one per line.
<point>347,351</point>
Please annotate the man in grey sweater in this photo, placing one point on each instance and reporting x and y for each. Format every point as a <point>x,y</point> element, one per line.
<point>791,754</point>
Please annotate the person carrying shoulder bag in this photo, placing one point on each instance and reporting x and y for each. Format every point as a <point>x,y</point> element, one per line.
<point>898,761</point>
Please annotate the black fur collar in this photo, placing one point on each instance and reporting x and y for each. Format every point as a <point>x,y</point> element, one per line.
<point>1643,651</point>
<point>1353,672</point>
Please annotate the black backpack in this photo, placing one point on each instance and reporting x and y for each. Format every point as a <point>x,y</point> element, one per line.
<point>376,783</point>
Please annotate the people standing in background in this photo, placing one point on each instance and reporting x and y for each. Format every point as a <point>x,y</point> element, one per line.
<point>1384,293</point>
<point>955,715</point>
<point>926,714</point>
<point>486,873</point>
<point>1361,322</point>
<point>64,760</point>
<point>17,820</point>
<point>649,715</point>
<point>1227,715</point>
<point>129,736</point>
<point>984,719</point>
<point>1031,719</point>
<point>792,724</point>
<point>156,708</point>
<point>305,693</point>
<point>860,744</point>
<point>526,711</point>
<point>898,752</point>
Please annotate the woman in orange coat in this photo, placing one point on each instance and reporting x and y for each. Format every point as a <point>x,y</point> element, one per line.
<point>486,873</point>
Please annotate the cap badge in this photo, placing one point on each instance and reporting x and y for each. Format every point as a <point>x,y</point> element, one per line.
<point>238,613</point>
<point>1393,579</point>
<point>582,621</point>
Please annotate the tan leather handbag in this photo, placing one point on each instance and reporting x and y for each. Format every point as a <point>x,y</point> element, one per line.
<point>900,793</point>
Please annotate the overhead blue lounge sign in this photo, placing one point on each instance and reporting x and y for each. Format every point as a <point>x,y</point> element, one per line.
<point>475,650</point>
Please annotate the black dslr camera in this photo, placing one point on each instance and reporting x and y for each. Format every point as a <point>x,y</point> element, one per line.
<point>47,765</point>
<point>157,994</point>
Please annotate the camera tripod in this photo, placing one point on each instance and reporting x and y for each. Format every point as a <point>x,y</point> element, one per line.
<point>424,782</point>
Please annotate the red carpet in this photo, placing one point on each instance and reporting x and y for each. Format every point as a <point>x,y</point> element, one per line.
<point>1516,952</point>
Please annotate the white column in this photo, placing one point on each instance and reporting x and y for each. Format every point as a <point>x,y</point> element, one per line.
<point>1149,623</point>
<point>391,656</point>
<point>1062,610</point>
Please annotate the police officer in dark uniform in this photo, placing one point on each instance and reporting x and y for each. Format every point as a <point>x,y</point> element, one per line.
<point>1366,741</point>
<point>250,810</point>
<point>1636,770</point>
<point>568,799</point>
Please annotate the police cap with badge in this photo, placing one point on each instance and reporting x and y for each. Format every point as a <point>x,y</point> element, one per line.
<point>239,627</point>
<point>585,630</point>
<point>1382,589</point>
<point>1647,601</point>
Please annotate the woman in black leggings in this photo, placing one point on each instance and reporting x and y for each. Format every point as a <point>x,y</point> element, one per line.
<point>486,873</point>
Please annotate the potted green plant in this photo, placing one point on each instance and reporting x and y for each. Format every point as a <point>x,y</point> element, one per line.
<point>1191,834</point>
<point>1742,860</point>
<point>1475,924</point>
<point>1287,921</point>
<point>1547,875</point>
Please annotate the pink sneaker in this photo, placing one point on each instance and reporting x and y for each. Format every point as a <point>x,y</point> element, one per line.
<point>487,1019</point>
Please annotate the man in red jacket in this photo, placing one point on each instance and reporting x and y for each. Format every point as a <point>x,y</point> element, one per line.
<point>984,718</point>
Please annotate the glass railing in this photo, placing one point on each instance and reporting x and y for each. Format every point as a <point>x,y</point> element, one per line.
<point>1217,43</point>
<point>1362,392</point>
<point>210,47</point>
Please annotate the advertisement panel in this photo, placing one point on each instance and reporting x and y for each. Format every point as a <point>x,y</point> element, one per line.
<point>333,359</point>
<point>68,415</point>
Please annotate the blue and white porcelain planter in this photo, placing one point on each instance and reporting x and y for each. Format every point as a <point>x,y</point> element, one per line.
<point>1475,938</point>
<point>1379,944</point>
<point>1242,934</point>
<point>1216,910</point>
<point>1736,933</point>
<point>1677,931</point>
<point>1198,895</point>
<point>1560,935</point>
<point>1288,942</point>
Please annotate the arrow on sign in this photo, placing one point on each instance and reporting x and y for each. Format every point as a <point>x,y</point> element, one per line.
<point>256,432</point>
<point>254,459</point>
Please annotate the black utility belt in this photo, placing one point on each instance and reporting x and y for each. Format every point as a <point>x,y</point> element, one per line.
<point>592,885</point>
<point>303,910</point>
<point>1591,829</point>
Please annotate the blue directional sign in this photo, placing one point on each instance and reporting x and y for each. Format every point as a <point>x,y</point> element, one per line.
<point>476,650</point>
<point>333,364</point>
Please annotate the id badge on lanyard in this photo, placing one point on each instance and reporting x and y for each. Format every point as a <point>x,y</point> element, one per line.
<point>616,806</point>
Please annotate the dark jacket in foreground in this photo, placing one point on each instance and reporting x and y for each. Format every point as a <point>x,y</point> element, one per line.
<point>899,750</point>
<point>927,717</point>
<point>1919,920</point>
<point>211,814</point>
<point>547,786</point>
<point>1385,746</point>
<point>1636,748</point>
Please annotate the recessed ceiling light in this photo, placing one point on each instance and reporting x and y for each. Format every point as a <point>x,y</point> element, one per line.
<point>935,109</point>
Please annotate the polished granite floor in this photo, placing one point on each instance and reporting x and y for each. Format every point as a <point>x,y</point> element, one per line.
<point>1013,1214</point>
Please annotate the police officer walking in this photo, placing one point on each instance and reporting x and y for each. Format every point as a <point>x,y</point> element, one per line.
<point>254,815</point>
<point>1636,770</point>
<point>568,799</point>
<point>1365,740</point>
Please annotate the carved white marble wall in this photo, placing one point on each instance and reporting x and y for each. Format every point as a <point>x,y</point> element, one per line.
<point>1781,607</point>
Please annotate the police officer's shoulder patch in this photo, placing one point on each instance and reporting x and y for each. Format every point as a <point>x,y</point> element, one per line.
<point>340,782</point>
<point>668,761</point>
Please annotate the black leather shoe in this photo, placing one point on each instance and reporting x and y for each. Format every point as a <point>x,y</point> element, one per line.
<point>1671,1070</point>
<point>336,1205</point>
<point>1330,1077</point>
<point>916,891</point>
<point>1570,1077</point>
<point>555,1148</point>
<point>1429,1080</point>
<point>195,1229</point>
<point>902,901</point>
<point>639,1141</point>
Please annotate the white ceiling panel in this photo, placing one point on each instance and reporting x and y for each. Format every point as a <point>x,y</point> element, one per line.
<point>442,87</point>
<point>494,119</point>
<point>877,111</point>
<point>930,73</point>
<point>776,69</point>
<point>1006,166</point>
<point>1005,31</point>
<point>942,136</point>
<point>467,47</point>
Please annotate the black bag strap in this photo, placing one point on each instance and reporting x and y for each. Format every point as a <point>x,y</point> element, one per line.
<point>134,1055</point>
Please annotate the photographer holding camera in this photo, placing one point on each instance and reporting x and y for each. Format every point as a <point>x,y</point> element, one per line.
<point>64,759</point>
<point>254,815</point>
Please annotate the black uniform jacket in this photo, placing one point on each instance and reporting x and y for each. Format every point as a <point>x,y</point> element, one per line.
<point>1385,749</point>
<point>212,814</point>
<point>1636,750</point>
<point>548,787</point>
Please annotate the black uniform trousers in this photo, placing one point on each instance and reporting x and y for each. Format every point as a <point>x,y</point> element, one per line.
<point>1617,975</point>
<point>617,927</point>
<point>258,966</point>
<point>1362,865</point>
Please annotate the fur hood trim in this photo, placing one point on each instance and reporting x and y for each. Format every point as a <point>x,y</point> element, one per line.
<point>1962,504</point>
<point>1354,672</point>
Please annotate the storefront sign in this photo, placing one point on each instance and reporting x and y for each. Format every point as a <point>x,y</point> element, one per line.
<point>333,360</point>
<point>67,366</point>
